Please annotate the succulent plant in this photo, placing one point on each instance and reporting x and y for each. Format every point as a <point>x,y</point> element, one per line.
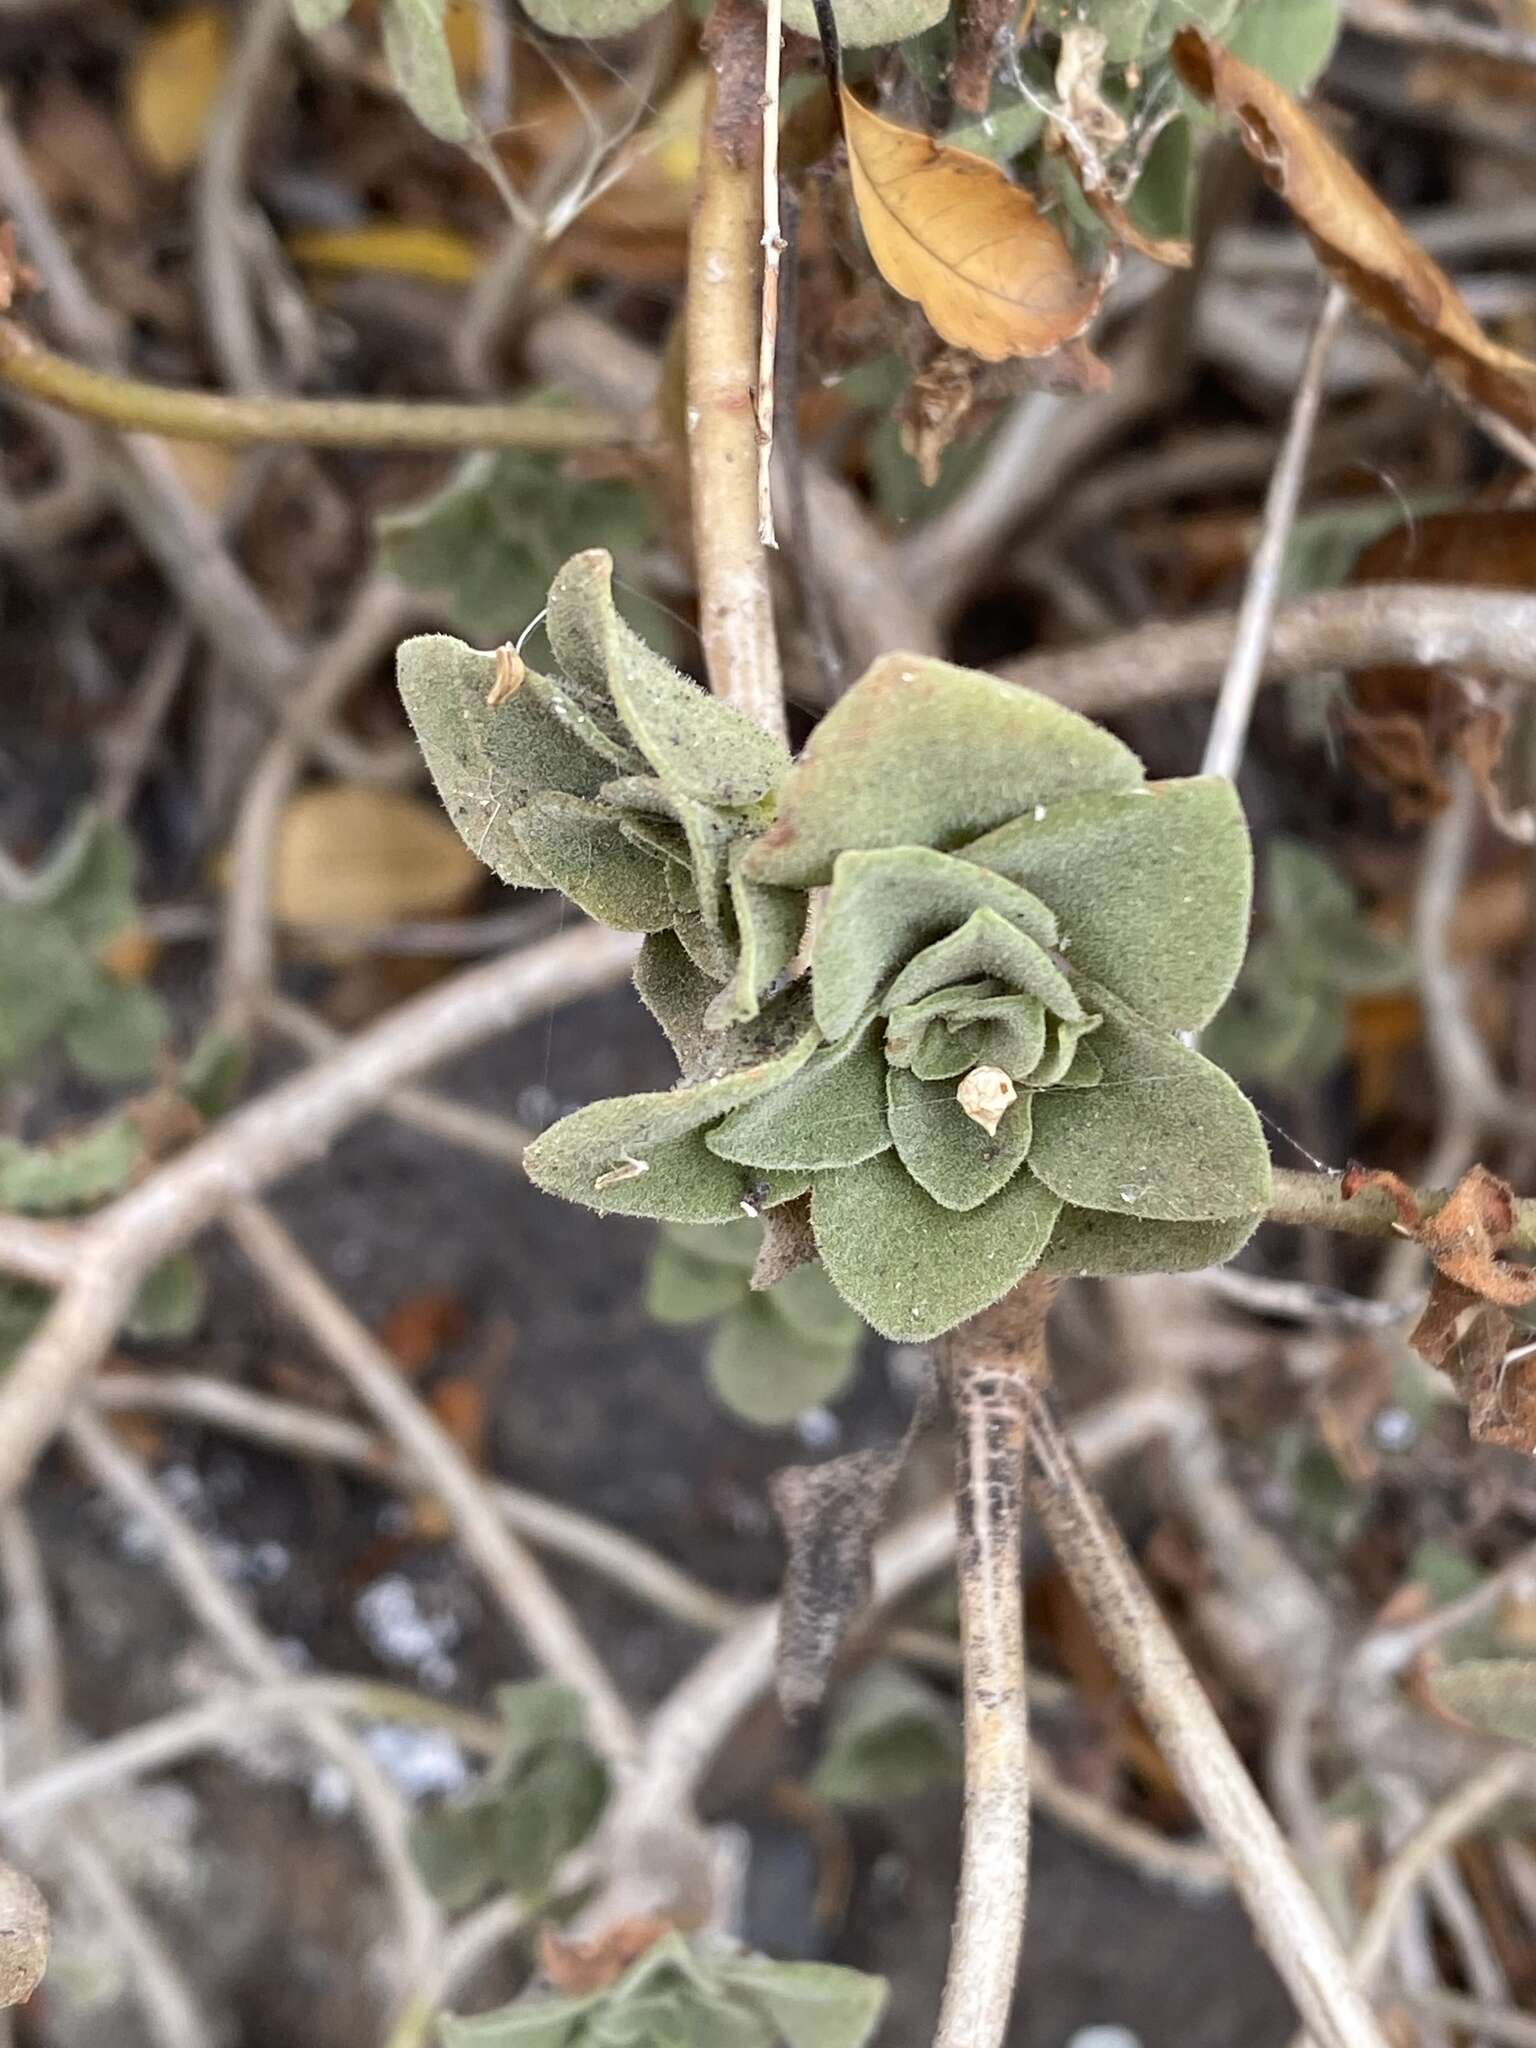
<point>929,974</point>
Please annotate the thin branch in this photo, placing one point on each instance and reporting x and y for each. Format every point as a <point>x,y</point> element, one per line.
<point>720,322</point>
<point>1315,1201</point>
<point>288,1126</point>
<point>218,201</point>
<point>251,419</point>
<point>1286,1913</point>
<point>773,257</point>
<point>1410,625</point>
<point>1460,1814</point>
<point>621,1560</point>
<point>471,1128</point>
<point>1437,28</point>
<point>380,1809</point>
<point>1240,683</point>
<point>522,1591</point>
<point>987,1364</point>
<point>225,1725</point>
<point>1475,2017</point>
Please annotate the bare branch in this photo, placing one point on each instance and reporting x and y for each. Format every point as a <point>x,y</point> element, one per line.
<point>1412,625</point>
<point>290,1125</point>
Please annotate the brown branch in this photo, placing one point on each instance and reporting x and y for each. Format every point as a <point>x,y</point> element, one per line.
<point>987,1365</point>
<point>288,1126</point>
<point>721,336</point>
<point>1413,625</point>
<point>1316,1201</point>
<point>253,419</point>
<point>1285,1911</point>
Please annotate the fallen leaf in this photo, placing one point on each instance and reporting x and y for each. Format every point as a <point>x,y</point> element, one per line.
<point>348,855</point>
<point>1358,238</point>
<point>173,81</point>
<point>949,229</point>
<point>390,248</point>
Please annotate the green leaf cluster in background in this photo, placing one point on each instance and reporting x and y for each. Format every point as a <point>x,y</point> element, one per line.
<point>540,1800</point>
<point>683,1994</point>
<point>492,538</point>
<point>54,988</point>
<point>1010,915</point>
<point>417,53</point>
<point>1288,1018</point>
<point>772,1354</point>
<point>892,1737</point>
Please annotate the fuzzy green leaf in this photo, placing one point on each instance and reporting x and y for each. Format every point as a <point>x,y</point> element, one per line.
<point>1093,1244</point>
<point>770,924</point>
<point>682,1180</point>
<point>1124,24</point>
<point>87,882</point>
<point>1152,891</point>
<point>883,906</point>
<point>315,16</point>
<point>921,753</point>
<point>677,994</point>
<point>812,1307</point>
<point>73,1173</point>
<point>492,537</point>
<point>944,1150</point>
<point>1496,1695</point>
<point>1290,41</point>
<point>484,761</point>
<point>118,1036</point>
<point>171,1302</point>
<point>892,1737</point>
<point>913,1269</point>
<point>591,20</point>
<point>869,24</point>
<point>831,1113</point>
<point>421,64</point>
<point>44,975</point>
<point>1065,1062</point>
<point>582,849</point>
<point>681,1289</point>
<point>531,2023</point>
<point>1165,1134</point>
<point>813,2005</point>
<point>986,947</point>
<point>698,746</point>
<point>766,1373</point>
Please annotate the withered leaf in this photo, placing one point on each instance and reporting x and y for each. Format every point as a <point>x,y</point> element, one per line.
<point>831,1514</point>
<point>948,229</point>
<point>1465,1329</point>
<point>1357,237</point>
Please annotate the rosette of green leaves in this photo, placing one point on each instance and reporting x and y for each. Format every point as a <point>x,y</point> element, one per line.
<point>616,781</point>
<point>1006,896</point>
<point>683,1994</point>
<point>773,1352</point>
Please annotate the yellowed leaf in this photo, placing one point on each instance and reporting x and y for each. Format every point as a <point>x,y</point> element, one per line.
<point>348,855</point>
<point>174,77</point>
<point>948,229</point>
<point>465,33</point>
<point>1358,238</point>
<point>436,255</point>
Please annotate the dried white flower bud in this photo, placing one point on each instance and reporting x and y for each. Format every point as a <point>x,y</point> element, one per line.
<point>986,1094</point>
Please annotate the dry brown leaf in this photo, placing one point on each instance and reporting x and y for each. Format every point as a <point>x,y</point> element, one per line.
<point>1165,249</point>
<point>422,1326</point>
<point>172,83</point>
<point>353,856</point>
<point>1358,238</point>
<point>1465,1329</point>
<point>581,1967</point>
<point>949,230</point>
